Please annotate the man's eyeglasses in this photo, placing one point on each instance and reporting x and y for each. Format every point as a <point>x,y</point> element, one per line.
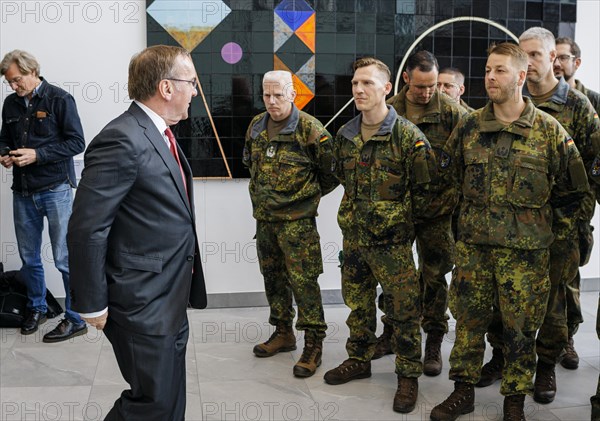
<point>563,58</point>
<point>194,81</point>
<point>15,81</point>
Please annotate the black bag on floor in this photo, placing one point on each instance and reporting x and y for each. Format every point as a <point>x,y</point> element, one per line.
<point>13,300</point>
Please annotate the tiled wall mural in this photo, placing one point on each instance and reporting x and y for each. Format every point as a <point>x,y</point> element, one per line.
<point>234,42</point>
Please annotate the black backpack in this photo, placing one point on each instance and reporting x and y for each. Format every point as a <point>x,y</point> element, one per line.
<point>13,300</point>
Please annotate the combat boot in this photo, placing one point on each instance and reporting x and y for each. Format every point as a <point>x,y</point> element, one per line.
<point>310,359</point>
<point>405,399</point>
<point>544,388</point>
<point>282,340</point>
<point>514,408</point>
<point>492,370</point>
<point>432,363</point>
<point>384,343</point>
<point>570,360</point>
<point>460,402</point>
<point>351,369</point>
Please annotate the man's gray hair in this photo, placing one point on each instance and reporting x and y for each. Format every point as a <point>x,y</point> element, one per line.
<point>541,34</point>
<point>26,63</point>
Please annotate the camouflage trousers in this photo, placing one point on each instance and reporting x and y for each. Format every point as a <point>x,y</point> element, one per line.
<point>289,255</point>
<point>574,314</point>
<point>553,334</point>
<point>595,400</point>
<point>393,267</point>
<point>435,247</point>
<point>520,281</point>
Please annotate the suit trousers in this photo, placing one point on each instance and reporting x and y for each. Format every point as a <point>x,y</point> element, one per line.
<point>154,367</point>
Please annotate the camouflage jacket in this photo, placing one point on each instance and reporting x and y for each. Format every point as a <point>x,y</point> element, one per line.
<point>594,169</point>
<point>385,180</point>
<point>441,116</point>
<point>517,181</point>
<point>575,113</point>
<point>593,96</point>
<point>290,173</point>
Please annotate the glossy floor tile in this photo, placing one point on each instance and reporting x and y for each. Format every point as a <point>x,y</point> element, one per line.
<point>80,379</point>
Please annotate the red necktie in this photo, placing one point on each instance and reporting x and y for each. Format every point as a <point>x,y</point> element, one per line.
<point>173,149</point>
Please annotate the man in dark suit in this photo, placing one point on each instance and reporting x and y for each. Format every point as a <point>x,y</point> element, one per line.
<point>132,238</point>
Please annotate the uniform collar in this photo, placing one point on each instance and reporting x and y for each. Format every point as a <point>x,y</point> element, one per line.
<point>558,98</point>
<point>521,126</point>
<point>352,128</point>
<point>290,127</point>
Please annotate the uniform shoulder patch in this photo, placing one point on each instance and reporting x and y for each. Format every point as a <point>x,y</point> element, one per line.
<point>323,138</point>
<point>419,144</point>
<point>445,160</point>
<point>569,141</point>
<point>596,167</point>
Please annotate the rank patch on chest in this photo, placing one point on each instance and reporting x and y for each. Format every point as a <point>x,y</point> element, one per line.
<point>271,151</point>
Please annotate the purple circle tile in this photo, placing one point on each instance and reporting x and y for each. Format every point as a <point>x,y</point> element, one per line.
<point>231,52</point>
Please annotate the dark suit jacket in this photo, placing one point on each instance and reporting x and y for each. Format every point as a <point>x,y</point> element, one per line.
<point>132,239</point>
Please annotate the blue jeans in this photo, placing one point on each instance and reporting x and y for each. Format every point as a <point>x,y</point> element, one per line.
<point>29,212</point>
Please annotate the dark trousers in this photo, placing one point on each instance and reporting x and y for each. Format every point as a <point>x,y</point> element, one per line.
<point>154,367</point>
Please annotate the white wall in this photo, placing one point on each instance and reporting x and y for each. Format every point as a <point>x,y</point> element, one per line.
<point>85,47</point>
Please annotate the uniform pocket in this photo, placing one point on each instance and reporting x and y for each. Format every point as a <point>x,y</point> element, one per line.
<point>388,182</point>
<point>475,177</point>
<point>293,172</point>
<point>530,187</point>
<point>349,166</point>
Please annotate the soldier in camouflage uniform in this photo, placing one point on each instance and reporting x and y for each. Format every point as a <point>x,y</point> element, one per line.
<point>576,115</point>
<point>290,157</point>
<point>436,115</point>
<point>520,175</point>
<point>451,81</point>
<point>384,163</point>
<point>594,175</point>
<point>568,60</point>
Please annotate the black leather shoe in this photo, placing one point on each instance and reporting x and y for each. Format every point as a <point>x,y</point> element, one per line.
<point>31,323</point>
<point>65,330</point>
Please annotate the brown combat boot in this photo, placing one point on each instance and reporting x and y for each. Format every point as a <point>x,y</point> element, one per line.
<point>570,360</point>
<point>384,343</point>
<point>513,408</point>
<point>310,359</point>
<point>282,340</point>
<point>492,370</point>
<point>461,401</point>
<point>432,363</point>
<point>544,388</point>
<point>351,369</point>
<point>405,399</point>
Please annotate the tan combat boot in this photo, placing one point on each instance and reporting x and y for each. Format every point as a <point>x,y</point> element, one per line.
<point>384,343</point>
<point>514,408</point>
<point>432,363</point>
<point>310,359</point>
<point>492,370</point>
<point>461,401</point>
<point>282,340</point>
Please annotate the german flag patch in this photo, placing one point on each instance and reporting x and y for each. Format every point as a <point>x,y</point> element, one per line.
<point>419,144</point>
<point>569,142</point>
<point>323,138</point>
